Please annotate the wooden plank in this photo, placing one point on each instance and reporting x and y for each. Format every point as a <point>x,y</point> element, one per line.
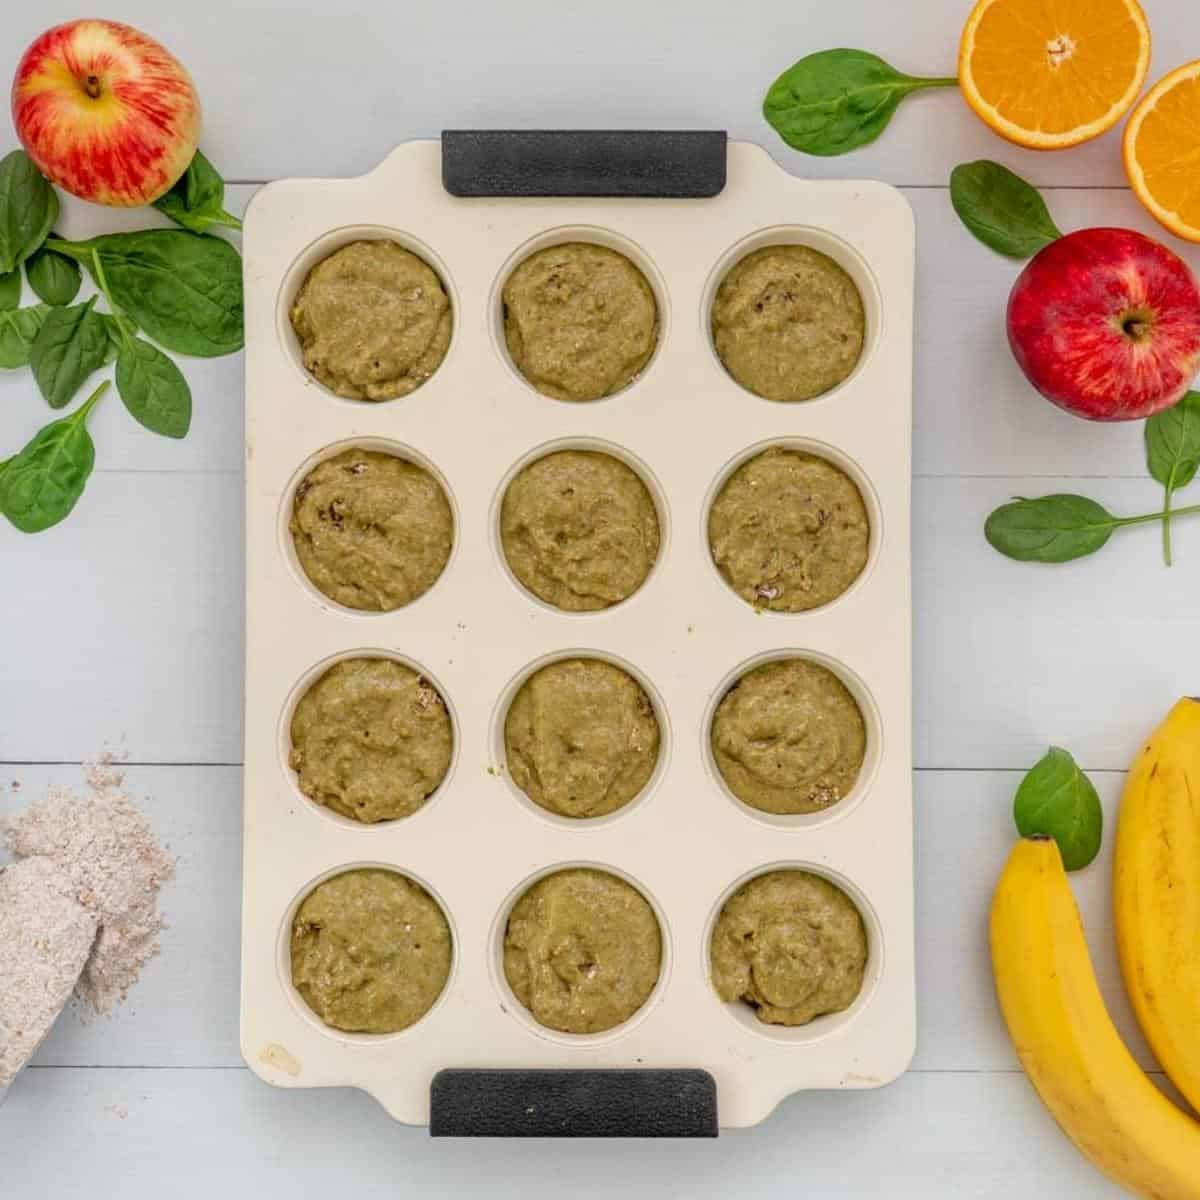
<point>410,70</point>
<point>184,1012</point>
<point>203,1132</point>
<point>125,623</point>
<point>1010,657</point>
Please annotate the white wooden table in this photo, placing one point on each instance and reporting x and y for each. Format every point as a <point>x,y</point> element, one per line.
<point>123,627</point>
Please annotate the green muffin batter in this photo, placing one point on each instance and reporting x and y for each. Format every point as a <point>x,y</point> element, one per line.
<point>371,530</point>
<point>788,322</point>
<point>789,738</point>
<point>373,321</point>
<point>581,738</point>
<point>370,951</point>
<point>791,945</point>
<point>582,951</point>
<point>579,530</point>
<point>580,320</point>
<point>371,740</point>
<point>789,531</point>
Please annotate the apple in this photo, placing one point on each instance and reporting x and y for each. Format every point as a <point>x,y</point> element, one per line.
<point>1106,324</point>
<point>105,112</point>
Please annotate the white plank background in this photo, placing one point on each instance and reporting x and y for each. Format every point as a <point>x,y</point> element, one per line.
<point>123,627</point>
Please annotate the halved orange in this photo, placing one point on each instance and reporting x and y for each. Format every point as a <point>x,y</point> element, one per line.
<point>1053,73</point>
<point>1162,151</point>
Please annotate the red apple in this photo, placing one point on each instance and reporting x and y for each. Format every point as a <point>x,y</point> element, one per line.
<point>105,112</point>
<point>1106,324</point>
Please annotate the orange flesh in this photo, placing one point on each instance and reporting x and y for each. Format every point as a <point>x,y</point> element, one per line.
<point>1168,150</point>
<point>1054,66</point>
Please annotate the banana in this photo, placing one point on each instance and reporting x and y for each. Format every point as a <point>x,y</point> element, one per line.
<point>1156,894</point>
<point>1066,1040</point>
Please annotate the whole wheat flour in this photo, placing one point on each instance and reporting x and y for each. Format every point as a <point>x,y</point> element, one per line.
<point>114,868</point>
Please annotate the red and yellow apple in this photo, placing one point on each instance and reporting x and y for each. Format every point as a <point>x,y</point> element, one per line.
<point>1106,324</point>
<point>105,112</point>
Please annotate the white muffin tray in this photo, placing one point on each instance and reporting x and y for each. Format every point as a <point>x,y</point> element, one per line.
<point>684,424</point>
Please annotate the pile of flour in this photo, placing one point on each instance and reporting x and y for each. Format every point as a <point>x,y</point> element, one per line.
<point>78,910</point>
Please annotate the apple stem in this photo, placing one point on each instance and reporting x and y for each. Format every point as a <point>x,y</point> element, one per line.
<point>1137,326</point>
<point>92,86</point>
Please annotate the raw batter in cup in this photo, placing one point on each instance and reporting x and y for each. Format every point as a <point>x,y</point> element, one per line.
<point>581,738</point>
<point>371,740</point>
<point>580,320</point>
<point>789,531</point>
<point>789,738</point>
<point>788,322</point>
<point>370,951</point>
<point>373,321</point>
<point>582,951</point>
<point>372,531</point>
<point>579,529</point>
<point>790,944</point>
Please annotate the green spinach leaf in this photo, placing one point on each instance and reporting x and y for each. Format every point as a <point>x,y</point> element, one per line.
<point>1055,529</point>
<point>28,209</point>
<point>197,200</point>
<point>116,339</point>
<point>1050,529</point>
<point>18,331</point>
<point>54,278</point>
<point>837,100</point>
<point>1173,453</point>
<point>153,389</point>
<point>70,345</point>
<point>41,484</point>
<point>10,291</point>
<point>1001,209</point>
<point>1056,799</point>
<point>185,291</point>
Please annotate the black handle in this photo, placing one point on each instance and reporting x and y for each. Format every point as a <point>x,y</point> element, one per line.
<point>685,164</point>
<point>573,1104</point>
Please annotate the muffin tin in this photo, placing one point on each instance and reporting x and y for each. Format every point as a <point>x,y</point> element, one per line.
<point>683,425</point>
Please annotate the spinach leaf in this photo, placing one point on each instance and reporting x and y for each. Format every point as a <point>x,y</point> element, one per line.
<point>153,389</point>
<point>18,331</point>
<point>185,291</point>
<point>69,346</point>
<point>10,291</point>
<point>1056,799</point>
<point>116,339</point>
<point>837,100</point>
<point>1001,209</point>
<point>1051,529</point>
<point>41,484</point>
<point>1173,453</point>
<point>28,209</point>
<point>54,278</point>
<point>197,200</point>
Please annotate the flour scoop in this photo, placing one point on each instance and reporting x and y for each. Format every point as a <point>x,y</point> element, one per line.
<point>45,939</point>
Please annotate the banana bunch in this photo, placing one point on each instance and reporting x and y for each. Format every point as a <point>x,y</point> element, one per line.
<point>1047,988</point>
